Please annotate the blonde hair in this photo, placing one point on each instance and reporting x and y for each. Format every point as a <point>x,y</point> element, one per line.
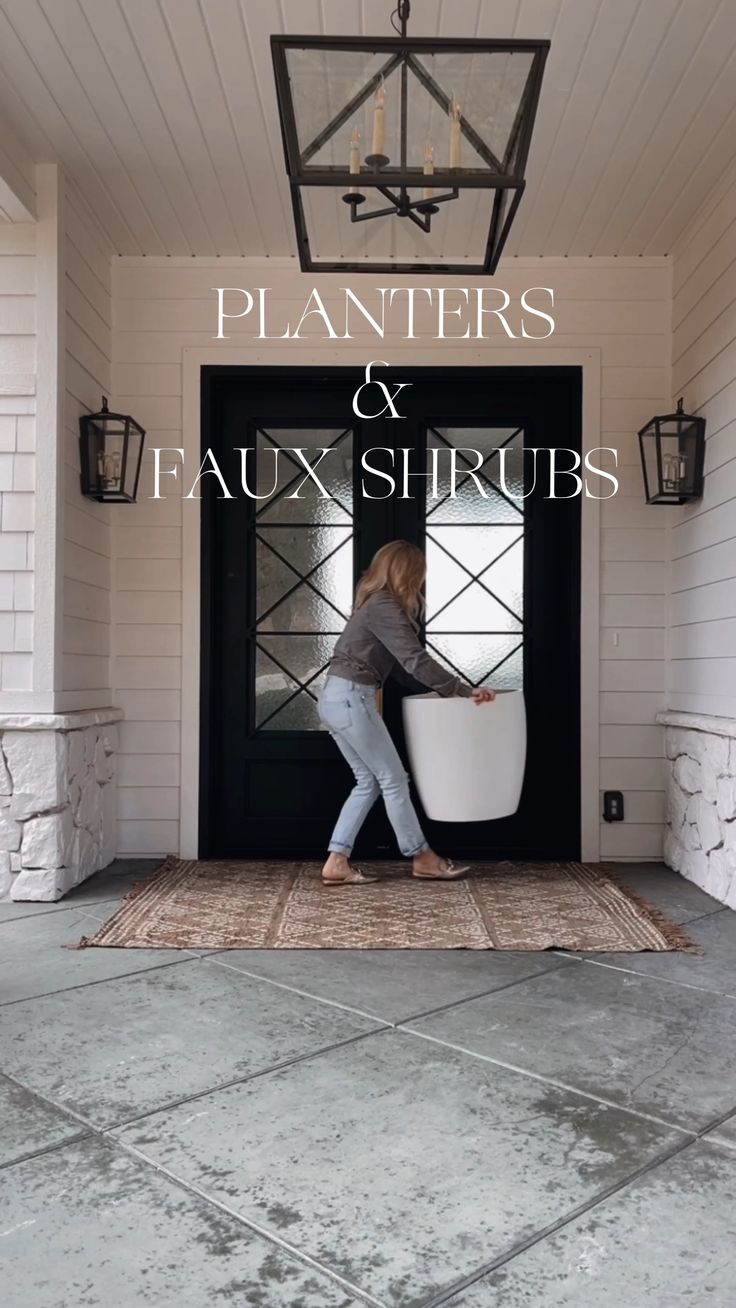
<point>399,567</point>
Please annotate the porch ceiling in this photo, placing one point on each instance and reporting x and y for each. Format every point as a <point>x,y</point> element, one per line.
<point>163,112</point>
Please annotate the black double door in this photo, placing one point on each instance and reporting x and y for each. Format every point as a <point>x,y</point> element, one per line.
<point>454,474</point>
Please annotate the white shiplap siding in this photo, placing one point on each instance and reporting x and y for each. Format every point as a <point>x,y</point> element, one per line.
<point>161,307</point>
<point>17,452</point>
<point>702,603</point>
<point>87,526</point>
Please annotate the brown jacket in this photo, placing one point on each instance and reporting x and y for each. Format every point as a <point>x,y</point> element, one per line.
<point>378,637</point>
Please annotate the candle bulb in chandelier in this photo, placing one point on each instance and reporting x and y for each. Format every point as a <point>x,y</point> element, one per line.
<point>377,143</point>
<point>428,191</point>
<point>454,134</point>
<point>355,151</point>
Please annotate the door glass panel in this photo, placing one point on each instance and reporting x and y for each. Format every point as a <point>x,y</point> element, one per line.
<point>304,568</point>
<point>475,547</point>
<point>475,556</point>
<point>478,498</point>
<point>304,548</point>
<point>300,714</point>
<point>280,475</point>
<point>479,658</point>
<point>274,687</point>
<point>445,578</point>
<point>303,657</point>
<point>475,610</point>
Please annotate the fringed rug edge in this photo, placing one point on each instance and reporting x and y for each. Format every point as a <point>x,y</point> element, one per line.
<point>88,942</point>
<point>676,937</point>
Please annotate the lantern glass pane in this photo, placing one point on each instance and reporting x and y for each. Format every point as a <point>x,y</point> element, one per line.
<point>688,456</point>
<point>487,86</point>
<point>674,462</point>
<point>135,447</point>
<point>649,459</point>
<point>115,427</point>
<point>110,460</point>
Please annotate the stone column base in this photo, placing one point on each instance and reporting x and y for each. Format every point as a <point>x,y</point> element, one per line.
<point>700,840</point>
<point>57,800</point>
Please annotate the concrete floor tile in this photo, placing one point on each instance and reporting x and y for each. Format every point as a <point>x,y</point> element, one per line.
<point>112,883</point>
<point>398,1163</point>
<point>679,898</point>
<point>714,970</point>
<point>665,1241</point>
<point>391,984</point>
<point>12,912</point>
<point>34,959</point>
<point>649,1046</point>
<point>27,1124</point>
<point>89,1226</point>
<point>135,1043</point>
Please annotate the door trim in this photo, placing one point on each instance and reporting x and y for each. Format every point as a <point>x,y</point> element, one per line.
<point>588,359</point>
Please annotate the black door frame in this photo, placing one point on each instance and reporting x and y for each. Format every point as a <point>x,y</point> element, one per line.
<point>208,701</point>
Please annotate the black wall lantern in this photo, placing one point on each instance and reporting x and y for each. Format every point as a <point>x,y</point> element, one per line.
<point>110,455</point>
<point>434,132</point>
<point>672,456</point>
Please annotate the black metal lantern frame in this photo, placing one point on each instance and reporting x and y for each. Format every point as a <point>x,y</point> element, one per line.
<point>672,448</point>
<point>110,456</point>
<point>411,190</point>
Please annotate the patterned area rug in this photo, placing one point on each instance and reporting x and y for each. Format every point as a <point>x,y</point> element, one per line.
<point>250,905</point>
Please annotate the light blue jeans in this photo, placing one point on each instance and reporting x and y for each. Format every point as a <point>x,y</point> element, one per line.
<point>348,710</point>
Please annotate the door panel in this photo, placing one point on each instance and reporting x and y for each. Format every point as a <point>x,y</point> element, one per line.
<point>502,593</point>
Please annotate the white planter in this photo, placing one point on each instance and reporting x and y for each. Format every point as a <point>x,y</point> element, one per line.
<point>467,759</point>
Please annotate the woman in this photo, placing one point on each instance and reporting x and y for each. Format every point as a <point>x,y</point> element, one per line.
<point>379,638</point>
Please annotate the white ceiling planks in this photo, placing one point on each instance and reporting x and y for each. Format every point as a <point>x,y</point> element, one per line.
<point>695,100</point>
<point>163,112</point>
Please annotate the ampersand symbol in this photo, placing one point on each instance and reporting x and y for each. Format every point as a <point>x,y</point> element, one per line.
<point>389,395</point>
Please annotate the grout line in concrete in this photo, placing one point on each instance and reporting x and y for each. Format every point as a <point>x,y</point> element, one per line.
<point>47,912</point>
<point>295,990</point>
<point>45,1149</point>
<point>265,1233</point>
<point>700,917</point>
<point>107,1128</point>
<point>699,1137</point>
<point>364,1012</point>
<point>98,981</point>
<point>538,1237</point>
<point>482,994</point>
<point>242,1080</point>
<point>664,980</point>
<point>103,1135</point>
<point>550,1081</point>
<point>58,906</point>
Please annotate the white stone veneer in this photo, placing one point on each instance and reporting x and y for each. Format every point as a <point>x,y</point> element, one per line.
<point>57,800</point>
<point>700,841</point>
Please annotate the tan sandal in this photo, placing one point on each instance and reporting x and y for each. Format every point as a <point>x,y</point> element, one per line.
<point>450,873</point>
<point>355,877</point>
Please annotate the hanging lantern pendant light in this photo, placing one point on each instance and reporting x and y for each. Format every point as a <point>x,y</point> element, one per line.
<point>391,87</point>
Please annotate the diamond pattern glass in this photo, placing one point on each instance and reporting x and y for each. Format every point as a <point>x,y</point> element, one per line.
<point>479,658</point>
<point>280,474</point>
<point>475,493</point>
<point>304,572</point>
<point>475,557</point>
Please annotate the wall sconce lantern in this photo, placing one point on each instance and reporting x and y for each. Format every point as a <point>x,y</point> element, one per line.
<point>405,153</point>
<point>110,454</point>
<point>672,451</point>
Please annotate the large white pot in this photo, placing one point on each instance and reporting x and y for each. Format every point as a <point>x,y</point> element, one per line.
<point>467,759</point>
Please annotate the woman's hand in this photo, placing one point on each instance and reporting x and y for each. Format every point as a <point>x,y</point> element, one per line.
<point>483,696</point>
